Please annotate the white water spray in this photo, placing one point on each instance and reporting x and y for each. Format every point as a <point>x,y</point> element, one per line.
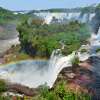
<point>94,44</point>
<point>35,73</point>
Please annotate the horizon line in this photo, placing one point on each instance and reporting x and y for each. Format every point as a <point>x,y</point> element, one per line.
<point>50,8</point>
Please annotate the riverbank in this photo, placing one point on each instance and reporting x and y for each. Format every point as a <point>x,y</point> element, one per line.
<point>14,55</point>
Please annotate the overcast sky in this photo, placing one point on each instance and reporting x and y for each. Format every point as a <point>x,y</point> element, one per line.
<point>44,4</point>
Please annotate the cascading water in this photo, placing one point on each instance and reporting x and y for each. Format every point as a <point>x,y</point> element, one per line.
<point>35,73</point>
<point>66,16</point>
<point>90,48</point>
<point>94,59</point>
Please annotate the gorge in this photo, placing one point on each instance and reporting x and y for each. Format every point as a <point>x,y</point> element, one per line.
<point>36,72</point>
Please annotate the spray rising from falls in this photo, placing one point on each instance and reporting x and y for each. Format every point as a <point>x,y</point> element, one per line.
<point>35,73</point>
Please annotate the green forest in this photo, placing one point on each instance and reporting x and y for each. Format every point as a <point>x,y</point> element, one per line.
<point>40,39</point>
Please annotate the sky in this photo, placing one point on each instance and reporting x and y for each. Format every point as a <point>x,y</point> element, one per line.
<point>44,4</point>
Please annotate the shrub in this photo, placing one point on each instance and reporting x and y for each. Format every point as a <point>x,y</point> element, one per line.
<point>60,93</point>
<point>75,61</point>
<point>2,86</point>
<point>42,40</point>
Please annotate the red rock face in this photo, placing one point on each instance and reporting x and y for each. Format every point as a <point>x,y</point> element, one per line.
<point>85,65</point>
<point>21,89</point>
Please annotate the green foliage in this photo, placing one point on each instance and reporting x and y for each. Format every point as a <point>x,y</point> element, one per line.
<point>88,9</point>
<point>60,89</point>
<point>75,61</point>
<point>39,39</point>
<point>98,6</point>
<point>97,11</point>
<point>46,94</point>
<point>98,50</point>
<point>5,15</point>
<point>2,86</point>
<point>5,98</point>
<point>60,93</point>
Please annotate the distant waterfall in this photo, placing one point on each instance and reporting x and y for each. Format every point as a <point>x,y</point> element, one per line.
<point>95,41</point>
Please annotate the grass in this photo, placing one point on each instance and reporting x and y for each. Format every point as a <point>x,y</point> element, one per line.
<point>61,92</point>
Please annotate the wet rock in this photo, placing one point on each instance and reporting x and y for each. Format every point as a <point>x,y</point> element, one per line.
<point>70,75</point>
<point>17,88</point>
<point>85,65</point>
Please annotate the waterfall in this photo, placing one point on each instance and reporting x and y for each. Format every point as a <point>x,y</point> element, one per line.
<point>66,17</point>
<point>95,42</point>
<point>57,63</point>
<point>34,73</point>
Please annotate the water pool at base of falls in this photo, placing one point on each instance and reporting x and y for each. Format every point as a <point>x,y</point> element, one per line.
<point>33,73</point>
